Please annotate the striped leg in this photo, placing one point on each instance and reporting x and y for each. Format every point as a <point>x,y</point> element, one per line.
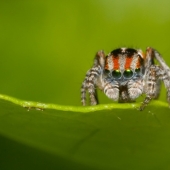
<point>157,89</point>
<point>164,77</point>
<point>89,84</point>
<point>164,73</point>
<point>156,74</point>
<point>83,89</point>
<point>152,83</point>
<point>150,87</point>
<point>162,63</point>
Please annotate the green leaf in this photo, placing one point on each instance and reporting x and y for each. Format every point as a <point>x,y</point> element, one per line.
<point>121,138</point>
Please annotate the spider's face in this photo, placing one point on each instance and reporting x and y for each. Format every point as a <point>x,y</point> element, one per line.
<point>124,64</point>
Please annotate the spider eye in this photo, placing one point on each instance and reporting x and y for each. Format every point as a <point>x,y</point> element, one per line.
<point>106,71</point>
<point>137,70</point>
<point>116,74</point>
<point>128,73</point>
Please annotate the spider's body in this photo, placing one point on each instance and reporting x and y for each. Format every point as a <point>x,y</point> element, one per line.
<point>126,73</point>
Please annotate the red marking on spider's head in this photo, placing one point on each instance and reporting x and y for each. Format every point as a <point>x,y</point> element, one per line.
<point>106,64</point>
<point>140,60</point>
<point>128,62</point>
<point>138,63</point>
<point>124,58</point>
<point>116,63</point>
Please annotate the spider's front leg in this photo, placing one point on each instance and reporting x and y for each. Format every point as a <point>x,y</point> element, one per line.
<point>153,75</point>
<point>151,87</point>
<point>151,80</point>
<point>160,72</point>
<point>163,72</point>
<point>89,83</point>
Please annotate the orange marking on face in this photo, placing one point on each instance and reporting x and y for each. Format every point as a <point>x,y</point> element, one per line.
<point>138,63</point>
<point>106,65</point>
<point>115,63</point>
<point>128,62</point>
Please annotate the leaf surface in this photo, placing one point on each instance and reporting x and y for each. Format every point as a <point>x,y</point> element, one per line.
<point>106,139</point>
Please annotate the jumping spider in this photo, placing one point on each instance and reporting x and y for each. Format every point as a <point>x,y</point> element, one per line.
<point>125,74</point>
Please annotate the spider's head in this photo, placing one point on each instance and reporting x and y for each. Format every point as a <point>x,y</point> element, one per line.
<point>124,64</point>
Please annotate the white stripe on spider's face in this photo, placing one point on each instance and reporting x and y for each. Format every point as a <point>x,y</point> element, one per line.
<point>110,62</point>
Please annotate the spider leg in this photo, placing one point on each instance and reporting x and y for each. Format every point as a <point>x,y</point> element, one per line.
<point>150,87</point>
<point>162,63</point>
<point>164,73</point>
<point>157,89</point>
<point>84,88</point>
<point>153,75</point>
<point>161,73</point>
<point>150,80</point>
<point>89,83</point>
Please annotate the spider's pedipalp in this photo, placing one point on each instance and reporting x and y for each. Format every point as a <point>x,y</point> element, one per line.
<point>135,88</point>
<point>112,90</point>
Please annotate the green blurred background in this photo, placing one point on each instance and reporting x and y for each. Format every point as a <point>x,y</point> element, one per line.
<point>46,47</point>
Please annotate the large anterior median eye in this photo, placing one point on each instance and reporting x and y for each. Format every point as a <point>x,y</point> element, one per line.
<point>116,74</point>
<point>128,73</point>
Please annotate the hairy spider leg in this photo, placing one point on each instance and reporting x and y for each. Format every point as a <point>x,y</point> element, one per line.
<point>151,79</point>
<point>89,84</point>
